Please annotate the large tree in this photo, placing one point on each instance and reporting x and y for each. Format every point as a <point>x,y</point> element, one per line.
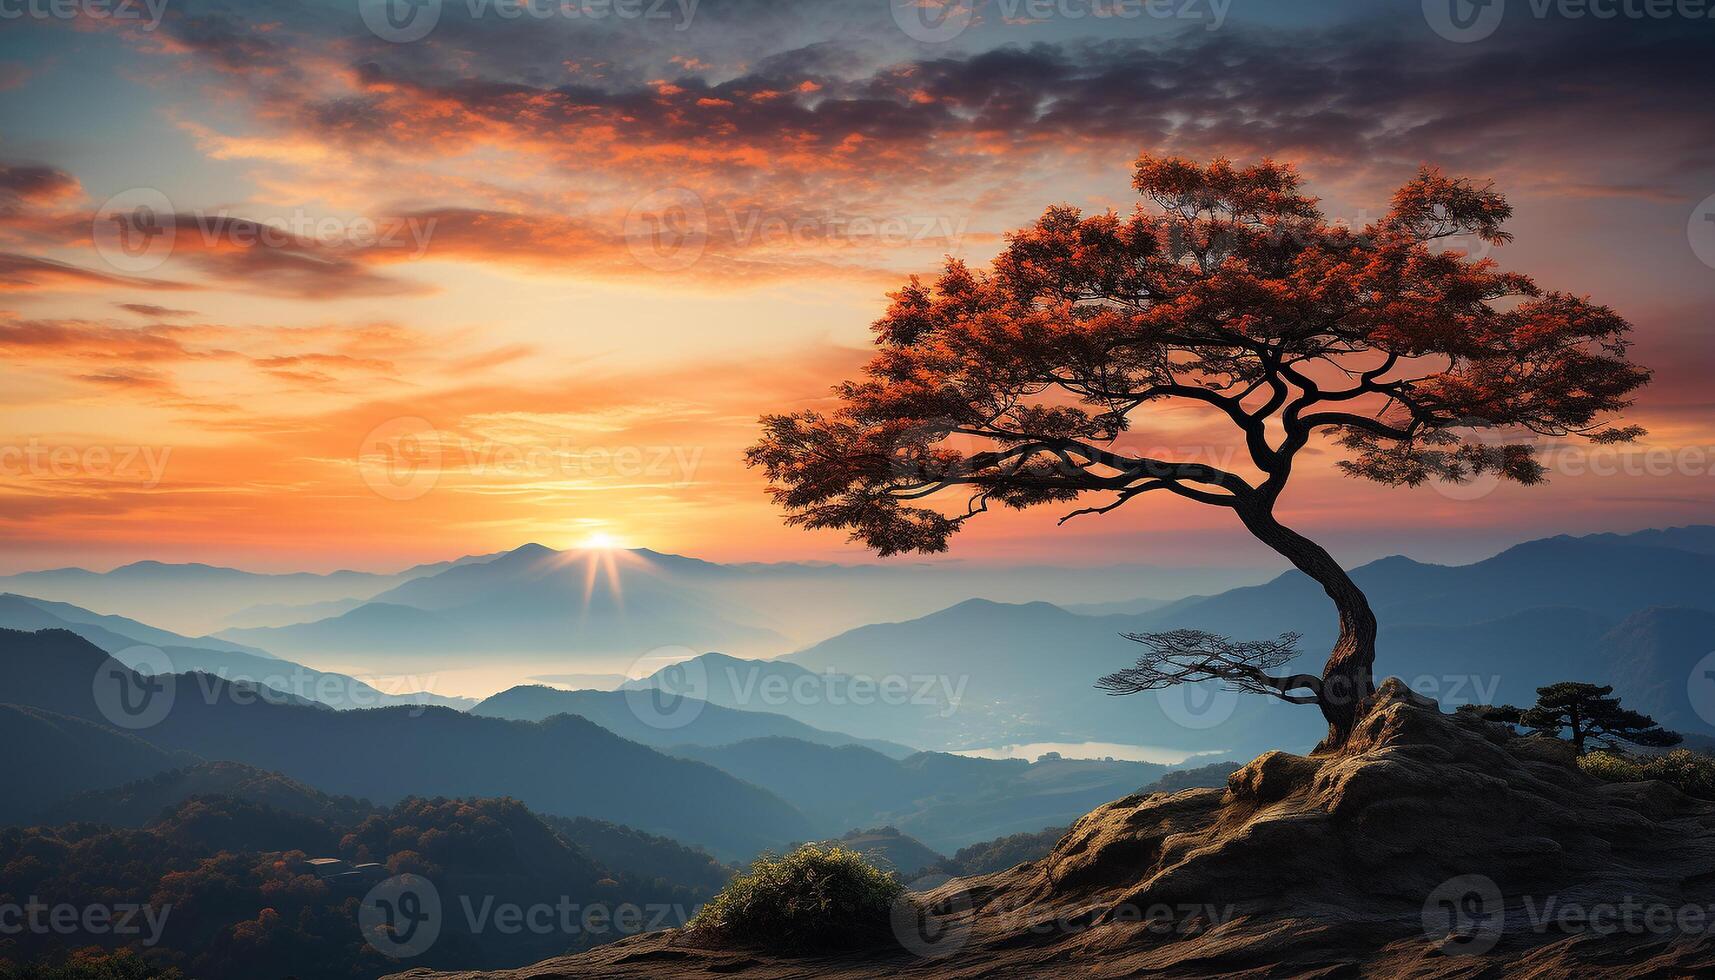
<point>1227,290</point>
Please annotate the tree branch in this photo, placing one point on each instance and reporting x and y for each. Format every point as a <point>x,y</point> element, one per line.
<point>1365,422</point>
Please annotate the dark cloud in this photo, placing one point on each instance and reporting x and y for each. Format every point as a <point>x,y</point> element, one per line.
<point>28,272</point>
<point>130,380</point>
<point>32,182</point>
<point>27,185</point>
<point>244,38</point>
<point>82,340</point>
<point>273,258</point>
<point>154,312</point>
<point>1353,97</point>
<point>267,258</point>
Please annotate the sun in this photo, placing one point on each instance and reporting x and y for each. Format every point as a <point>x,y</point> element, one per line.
<point>602,555</point>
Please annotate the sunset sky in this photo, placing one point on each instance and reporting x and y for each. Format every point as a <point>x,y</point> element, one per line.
<point>539,274</point>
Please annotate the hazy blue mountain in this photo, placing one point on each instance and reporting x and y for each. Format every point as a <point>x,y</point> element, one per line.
<point>18,610</point>
<point>1496,629</point>
<point>1610,578</point>
<point>734,682</point>
<point>287,614</point>
<point>60,671</point>
<point>373,628</point>
<point>810,601</point>
<point>196,598</point>
<point>623,848</point>
<point>1123,607</point>
<point>327,687</point>
<point>989,856</point>
<point>958,638</point>
<point>632,715</point>
<point>613,606</point>
<point>582,682</point>
<point>1502,660</point>
<point>1696,537</point>
<point>979,675</point>
<point>1213,775</point>
<point>1607,575</point>
<point>947,801</point>
<point>824,700</point>
<point>1025,673</point>
<point>231,661</point>
<point>838,787</point>
<point>1536,613</point>
<point>532,600</point>
<point>1659,660</point>
<point>888,848</point>
<point>745,607</point>
<point>50,756</point>
<point>566,765</point>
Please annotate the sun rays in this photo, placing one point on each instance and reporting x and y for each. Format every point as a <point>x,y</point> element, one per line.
<point>603,554</point>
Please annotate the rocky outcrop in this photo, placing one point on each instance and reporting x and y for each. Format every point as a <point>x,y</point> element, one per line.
<point>1431,845</point>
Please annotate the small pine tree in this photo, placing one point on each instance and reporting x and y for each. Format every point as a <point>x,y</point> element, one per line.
<point>1589,711</point>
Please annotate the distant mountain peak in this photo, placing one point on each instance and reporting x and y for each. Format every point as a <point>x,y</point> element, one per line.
<point>153,565</point>
<point>679,562</point>
<point>1393,560</point>
<point>716,657</point>
<point>980,604</point>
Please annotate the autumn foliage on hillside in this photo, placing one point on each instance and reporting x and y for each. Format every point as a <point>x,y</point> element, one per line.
<point>243,912</point>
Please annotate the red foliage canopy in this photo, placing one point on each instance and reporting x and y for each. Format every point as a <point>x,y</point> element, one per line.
<point>1230,288</point>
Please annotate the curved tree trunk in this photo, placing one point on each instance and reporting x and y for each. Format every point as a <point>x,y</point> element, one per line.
<point>1347,677</point>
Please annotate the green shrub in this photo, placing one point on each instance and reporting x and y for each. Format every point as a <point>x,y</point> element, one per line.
<point>814,899</point>
<point>1693,773</point>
